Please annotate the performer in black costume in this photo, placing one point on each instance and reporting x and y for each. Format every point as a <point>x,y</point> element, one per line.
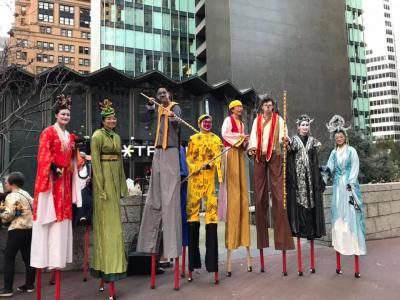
<point>305,187</point>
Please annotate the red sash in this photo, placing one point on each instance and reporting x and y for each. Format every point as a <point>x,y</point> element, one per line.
<point>234,129</point>
<point>260,129</point>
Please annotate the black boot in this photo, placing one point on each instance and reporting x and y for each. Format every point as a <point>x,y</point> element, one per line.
<point>194,251</point>
<point>211,248</point>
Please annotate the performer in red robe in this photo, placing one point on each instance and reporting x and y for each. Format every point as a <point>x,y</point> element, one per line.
<point>56,187</point>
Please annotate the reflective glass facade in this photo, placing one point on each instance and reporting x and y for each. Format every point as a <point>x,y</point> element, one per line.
<point>357,65</point>
<point>141,35</point>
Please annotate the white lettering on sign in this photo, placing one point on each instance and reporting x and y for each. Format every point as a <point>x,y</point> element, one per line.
<point>129,150</point>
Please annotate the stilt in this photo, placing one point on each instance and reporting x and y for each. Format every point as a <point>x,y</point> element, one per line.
<point>153,272</point>
<point>357,266</point>
<point>38,284</point>
<point>86,255</point>
<point>338,265</point>
<point>58,284</point>
<point>183,262</point>
<point>216,278</point>
<point>299,259</point>
<point>229,263</point>
<point>52,277</point>
<point>312,269</point>
<point>284,271</point>
<point>176,284</point>
<point>249,265</point>
<point>111,291</point>
<point>101,286</point>
<point>262,260</point>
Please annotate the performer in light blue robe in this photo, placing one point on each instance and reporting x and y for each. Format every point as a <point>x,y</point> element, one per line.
<point>348,225</point>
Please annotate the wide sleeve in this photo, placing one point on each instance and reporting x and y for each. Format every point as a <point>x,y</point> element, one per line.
<point>217,145</point>
<point>44,159</point>
<point>178,112</point>
<point>326,174</point>
<point>192,160</point>
<point>9,211</point>
<point>283,131</point>
<point>234,138</point>
<point>253,136</point>
<point>355,166</point>
<point>95,146</point>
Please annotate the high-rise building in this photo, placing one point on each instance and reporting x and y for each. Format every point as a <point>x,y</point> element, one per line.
<point>47,33</point>
<point>382,70</point>
<point>276,45</point>
<point>136,36</point>
<point>357,63</point>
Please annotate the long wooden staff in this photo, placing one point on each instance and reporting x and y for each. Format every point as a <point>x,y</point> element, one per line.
<point>284,151</point>
<point>166,109</point>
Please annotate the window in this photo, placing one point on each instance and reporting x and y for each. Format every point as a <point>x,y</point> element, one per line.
<point>66,48</point>
<point>40,69</point>
<point>45,30</point>
<point>387,15</point>
<point>390,49</point>
<point>385,6</point>
<point>388,23</point>
<point>22,43</point>
<point>21,55</point>
<point>66,32</point>
<point>389,32</point>
<point>66,60</point>
<point>45,13</point>
<point>84,50</point>
<point>389,40</point>
<point>84,17</point>
<point>84,62</point>
<point>45,58</point>
<point>66,15</point>
<point>85,35</point>
<point>45,45</point>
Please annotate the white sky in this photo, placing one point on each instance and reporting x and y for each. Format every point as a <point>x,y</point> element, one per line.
<point>6,16</point>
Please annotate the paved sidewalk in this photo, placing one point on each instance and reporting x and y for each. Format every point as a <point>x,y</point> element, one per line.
<point>380,271</point>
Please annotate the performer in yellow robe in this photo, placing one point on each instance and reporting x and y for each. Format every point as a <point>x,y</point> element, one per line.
<point>202,148</point>
<point>233,206</point>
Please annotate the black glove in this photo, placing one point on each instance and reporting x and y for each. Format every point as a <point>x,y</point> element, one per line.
<point>349,187</point>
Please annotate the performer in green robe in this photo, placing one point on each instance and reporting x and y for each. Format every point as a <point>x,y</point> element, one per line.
<point>109,185</point>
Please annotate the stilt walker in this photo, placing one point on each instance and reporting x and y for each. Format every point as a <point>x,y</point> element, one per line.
<point>109,262</point>
<point>348,222</point>
<point>184,187</point>
<point>162,208</point>
<point>305,188</point>
<point>267,134</point>
<point>203,147</point>
<point>233,208</point>
<point>56,188</point>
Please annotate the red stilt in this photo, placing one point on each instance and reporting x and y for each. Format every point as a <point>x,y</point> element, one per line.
<point>312,270</point>
<point>183,272</point>
<point>153,272</point>
<point>338,265</point>
<point>284,271</point>
<point>176,284</point>
<point>38,284</point>
<point>299,259</point>
<point>86,256</point>
<point>58,284</point>
<point>216,277</point>
<point>262,260</point>
<point>111,290</point>
<point>357,266</point>
<point>101,286</point>
<point>52,277</point>
<point>190,276</point>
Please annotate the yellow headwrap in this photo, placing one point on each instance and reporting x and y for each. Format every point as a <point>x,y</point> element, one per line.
<point>235,103</point>
<point>203,117</point>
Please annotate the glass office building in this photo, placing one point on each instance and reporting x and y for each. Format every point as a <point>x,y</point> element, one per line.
<point>136,36</point>
<point>357,65</point>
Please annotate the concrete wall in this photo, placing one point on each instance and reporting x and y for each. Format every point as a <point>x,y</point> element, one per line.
<point>382,210</point>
